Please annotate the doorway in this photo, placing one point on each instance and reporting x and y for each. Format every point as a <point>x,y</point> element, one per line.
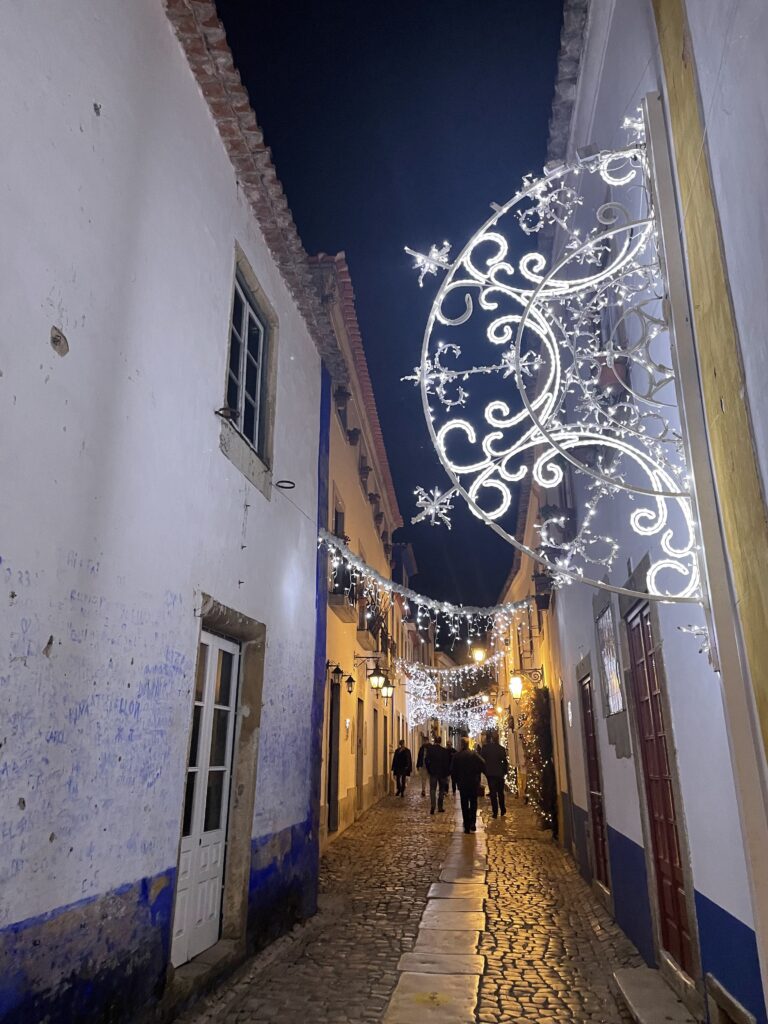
<point>385,759</point>
<point>197,916</point>
<point>375,771</point>
<point>659,793</point>
<point>359,737</point>
<point>594,780</point>
<point>334,724</point>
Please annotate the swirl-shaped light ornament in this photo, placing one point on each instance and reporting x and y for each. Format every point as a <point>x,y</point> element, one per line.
<point>584,339</point>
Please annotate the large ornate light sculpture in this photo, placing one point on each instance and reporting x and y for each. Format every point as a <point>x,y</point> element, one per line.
<point>547,368</point>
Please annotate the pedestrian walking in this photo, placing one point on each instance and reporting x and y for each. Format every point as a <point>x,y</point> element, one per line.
<point>421,766</point>
<point>496,768</point>
<point>467,768</point>
<point>438,763</point>
<point>402,765</point>
<point>451,750</point>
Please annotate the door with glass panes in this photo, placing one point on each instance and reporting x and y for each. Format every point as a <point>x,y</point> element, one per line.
<point>196,922</point>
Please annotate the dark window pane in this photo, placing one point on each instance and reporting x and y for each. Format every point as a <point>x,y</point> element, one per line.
<point>234,354</point>
<point>255,333</point>
<point>196,715</point>
<point>223,678</point>
<point>263,399</point>
<point>249,419</point>
<point>213,801</point>
<point>237,312</point>
<point>233,394</point>
<point>251,378</point>
<point>219,738</point>
<point>202,663</point>
<point>189,799</point>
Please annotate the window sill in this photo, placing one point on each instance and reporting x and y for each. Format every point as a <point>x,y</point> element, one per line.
<point>244,458</point>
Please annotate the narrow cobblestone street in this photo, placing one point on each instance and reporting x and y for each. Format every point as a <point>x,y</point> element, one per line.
<point>549,946</point>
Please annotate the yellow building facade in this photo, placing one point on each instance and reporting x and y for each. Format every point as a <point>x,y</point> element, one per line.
<point>361,726</point>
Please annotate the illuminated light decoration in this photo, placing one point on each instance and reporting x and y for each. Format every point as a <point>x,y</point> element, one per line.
<point>436,506</point>
<point>458,674</point>
<point>363,583</point>
<point>516,687</point>
<point>584,341</point>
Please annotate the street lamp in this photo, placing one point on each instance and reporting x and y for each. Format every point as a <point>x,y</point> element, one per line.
<point>478,655</point>
<point>377,677</point>
<point>350,684</point>
<point>516,687</point>
<point>387,689</point>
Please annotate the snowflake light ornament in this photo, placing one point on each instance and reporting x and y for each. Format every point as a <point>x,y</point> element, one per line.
<point>437,259</point>
<point>434,506</point>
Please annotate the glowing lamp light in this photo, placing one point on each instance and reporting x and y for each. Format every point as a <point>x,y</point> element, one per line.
<point>377,677</point>
<point>387,689</point>
<point>499,710</point>
<point>516,687</point>
<point>478,655</point>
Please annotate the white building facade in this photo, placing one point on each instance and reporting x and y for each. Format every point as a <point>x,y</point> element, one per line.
<point>164,407</point>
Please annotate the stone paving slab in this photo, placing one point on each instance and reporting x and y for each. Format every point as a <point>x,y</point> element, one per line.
<point>433,999</point>
<point>456,890</point>
<point>446,941</point>
<point>452,920</point>
<point>459,875</point>
<point>462,904</point>
<point>426,962</point>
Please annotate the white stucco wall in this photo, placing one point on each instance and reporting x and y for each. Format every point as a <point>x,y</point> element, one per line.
<point>621,64</point>
<point>119,225</point>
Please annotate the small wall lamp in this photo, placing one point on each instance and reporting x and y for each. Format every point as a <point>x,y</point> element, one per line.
<point>350,684</point>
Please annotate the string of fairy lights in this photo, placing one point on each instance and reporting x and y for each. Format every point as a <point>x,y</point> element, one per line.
<point>351,575</point>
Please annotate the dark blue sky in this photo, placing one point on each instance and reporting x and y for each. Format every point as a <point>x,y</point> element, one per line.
<point>394,124</point>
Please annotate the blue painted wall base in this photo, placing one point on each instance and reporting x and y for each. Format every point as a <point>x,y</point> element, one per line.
<point>580,819</point>
<point>282,888</point>
<point>629,885</point>
<point>729,954</point>
<point>99,959</point>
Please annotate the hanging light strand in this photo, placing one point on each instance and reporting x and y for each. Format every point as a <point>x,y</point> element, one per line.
<point>451,675</point>
<point>360,580</point>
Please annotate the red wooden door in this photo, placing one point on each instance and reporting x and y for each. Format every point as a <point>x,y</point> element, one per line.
<point>596,813</point>
<point>665,841</point>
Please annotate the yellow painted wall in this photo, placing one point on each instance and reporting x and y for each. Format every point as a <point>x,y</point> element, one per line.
<point>742,508</point>
<point>342,646</point>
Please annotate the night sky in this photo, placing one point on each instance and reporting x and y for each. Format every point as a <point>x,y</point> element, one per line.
<point>394,124</point>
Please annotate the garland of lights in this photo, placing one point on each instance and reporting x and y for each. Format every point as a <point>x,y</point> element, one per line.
<point>361,582</point>
<point>450,675</point>
<point>585,341</point>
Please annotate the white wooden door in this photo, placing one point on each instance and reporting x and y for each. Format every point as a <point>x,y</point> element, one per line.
<point>196,921</point>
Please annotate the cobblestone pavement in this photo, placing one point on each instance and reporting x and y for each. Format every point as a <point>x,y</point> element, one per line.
<point>549,947</point>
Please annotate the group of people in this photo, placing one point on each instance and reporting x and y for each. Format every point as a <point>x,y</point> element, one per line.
<point>437,764</point>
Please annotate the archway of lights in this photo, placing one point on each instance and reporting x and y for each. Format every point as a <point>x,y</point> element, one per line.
<point>429,692</point>
<point>561,369</point>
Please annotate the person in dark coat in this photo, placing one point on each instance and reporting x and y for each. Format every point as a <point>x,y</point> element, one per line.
<point>402,765</point>
<point>438,763</point>
<point>496,768</point>
<point>466,770</point>
<point>421,768</point>
<point>450,748</point>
